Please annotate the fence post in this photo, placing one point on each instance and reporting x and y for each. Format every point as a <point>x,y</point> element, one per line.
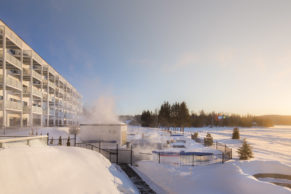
<point>116,153</point>
<point>47,138</point>
<point>99,146</point>
<point>75,136</point>
<point>159,158</point>
<point>193,160</point>
<point>131,155</point>
<point>230,153</point>
<point>222,158</point>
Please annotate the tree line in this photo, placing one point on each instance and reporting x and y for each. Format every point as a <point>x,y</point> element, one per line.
<point>177,115</point>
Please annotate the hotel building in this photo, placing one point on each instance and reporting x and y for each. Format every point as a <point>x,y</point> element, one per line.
<point>32,92</point>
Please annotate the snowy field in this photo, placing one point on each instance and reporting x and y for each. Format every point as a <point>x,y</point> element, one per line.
<point>54,169</point>
<point>271,147</point>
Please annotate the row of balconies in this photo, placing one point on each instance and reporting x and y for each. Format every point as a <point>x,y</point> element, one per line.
<point>18,106</point>
<point>26,53</point>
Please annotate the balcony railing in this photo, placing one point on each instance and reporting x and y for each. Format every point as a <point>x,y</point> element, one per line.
<point>26,109</point>
<point>49,83</point>
<point>13,105</point>
<point>12,82</point>
<point>36,110</point>
<point>14,61</point>
<point>37,57</point>
<point>29,72</point>
<point>52,112</point>
<point>13,37</point>
<point>35,91</point>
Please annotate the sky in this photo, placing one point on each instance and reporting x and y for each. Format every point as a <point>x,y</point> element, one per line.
<point>223,56</point>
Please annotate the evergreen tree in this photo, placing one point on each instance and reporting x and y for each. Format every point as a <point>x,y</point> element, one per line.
<point>60,140</point>
<point>146,119</point>
<point>184,116</point>
<point>175,108</point>
<point>245,151</point>
<point>235,133</point>
<point>208,140</point>
<point>164,116</point>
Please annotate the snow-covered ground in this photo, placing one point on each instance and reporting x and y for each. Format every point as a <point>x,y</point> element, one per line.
<point>55,169</point>
<point>269,143</point>
<point>271,148</point>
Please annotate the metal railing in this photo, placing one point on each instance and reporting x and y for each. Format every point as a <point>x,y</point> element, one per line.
<point>115,155</point>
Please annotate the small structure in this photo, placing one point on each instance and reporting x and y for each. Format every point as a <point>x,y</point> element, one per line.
<point>104,133</point>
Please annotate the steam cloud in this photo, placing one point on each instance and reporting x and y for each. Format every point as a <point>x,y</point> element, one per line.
<point>101,111</point>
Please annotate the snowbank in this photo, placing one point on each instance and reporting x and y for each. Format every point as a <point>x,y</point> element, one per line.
<point>59,170</point>
<point>225,178</point>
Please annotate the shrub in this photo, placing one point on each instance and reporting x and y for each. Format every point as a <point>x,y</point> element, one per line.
<point>60,140</point>
<point>208,140</point>
<point>235,133</point>
<point>68,141</point>
<point>245,151</point>
<point>194,136</point>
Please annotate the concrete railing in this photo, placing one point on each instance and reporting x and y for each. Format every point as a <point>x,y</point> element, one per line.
<point>36,109</point>
<point>13,105</point>
<point>13,37</point>
<point>29,72</point>
<point>14,61</point>
<point>6,143</point>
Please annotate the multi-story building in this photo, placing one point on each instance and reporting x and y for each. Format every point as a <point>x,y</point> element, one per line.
<point>32,92</point>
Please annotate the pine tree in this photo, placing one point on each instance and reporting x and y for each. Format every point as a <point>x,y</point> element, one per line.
<point>235,133</point>
<point>60,140</point>
<point>164,116</point>
<point>245,151</point>
<point>68,141</point>
<point>146,119</point>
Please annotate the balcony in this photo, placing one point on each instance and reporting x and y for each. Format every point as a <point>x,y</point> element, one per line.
<point>13,37</point>
<point>37,58</point>
<point>13,105</point>
<point>36,110</point>
<point>11,82</point>
<point>12,60</point>
<point>49,83</point>
<point>33,109</point>
<point>52,112</point>
<point>29,72</point>
<point>26,109</point>
<point>35,91</point>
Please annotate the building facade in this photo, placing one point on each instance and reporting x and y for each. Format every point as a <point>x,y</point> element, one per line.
<point>32,93</point>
